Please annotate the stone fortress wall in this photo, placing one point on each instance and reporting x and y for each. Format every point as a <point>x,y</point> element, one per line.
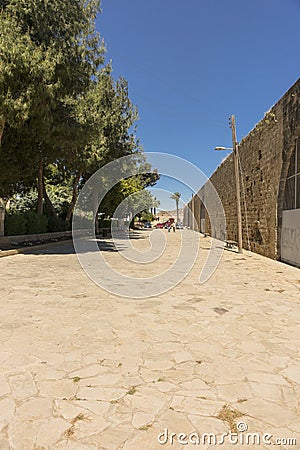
<point>265,155</point>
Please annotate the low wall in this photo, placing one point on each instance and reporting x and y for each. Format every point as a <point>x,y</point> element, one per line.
<point>7,242</point>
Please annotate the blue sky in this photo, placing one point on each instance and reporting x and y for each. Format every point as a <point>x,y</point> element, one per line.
<point>191,64</point>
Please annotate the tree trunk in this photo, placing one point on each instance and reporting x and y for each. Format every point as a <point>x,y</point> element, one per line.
<point>95,210</point>
<point>177,210</point>
<point>74,195</point>
<point>2,124</point>
<point>2,216</point>
<point>40,187</point>
<point>131,223</point>
<point>47,200</point>
<point>2,201</point>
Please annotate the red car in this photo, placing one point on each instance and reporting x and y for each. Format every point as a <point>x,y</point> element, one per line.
<point>166,224</point>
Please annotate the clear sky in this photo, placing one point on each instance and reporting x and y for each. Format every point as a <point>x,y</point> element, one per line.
<point>191,64</point>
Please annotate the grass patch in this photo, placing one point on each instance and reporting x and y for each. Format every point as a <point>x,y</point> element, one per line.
<point>78,417</point>
<point>70,431</point>
<point>76,379</point>
<point>74,398</point>
<point>145,427</point>
<point>131,391</point>
<point>229,415</point>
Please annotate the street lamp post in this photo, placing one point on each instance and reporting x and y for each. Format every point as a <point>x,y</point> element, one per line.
<point>237,181</point>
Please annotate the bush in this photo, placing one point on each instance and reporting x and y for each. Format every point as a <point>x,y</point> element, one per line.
<point>15,224</point>
<point>104,223</point>
<point>57,224</point>
<point>83,223</point>
<point>29,222</point>
<point>36,223</point>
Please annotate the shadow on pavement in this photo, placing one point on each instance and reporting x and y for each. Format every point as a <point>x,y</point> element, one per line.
<point>67,247</point>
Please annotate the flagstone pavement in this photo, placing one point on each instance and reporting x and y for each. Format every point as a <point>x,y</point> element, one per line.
<point>83,369</point>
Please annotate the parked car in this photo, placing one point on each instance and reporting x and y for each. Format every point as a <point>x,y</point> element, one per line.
<point>166,224</point>
<point>179,226</point>
<point>147,225</point>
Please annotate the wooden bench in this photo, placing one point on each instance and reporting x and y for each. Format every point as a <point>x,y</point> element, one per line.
<point>230,244</point>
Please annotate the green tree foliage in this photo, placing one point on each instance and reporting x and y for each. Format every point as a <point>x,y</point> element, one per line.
<point>62,115</point>
<point>49,52</point>
<point>22,67</point>
<point>108,117</point>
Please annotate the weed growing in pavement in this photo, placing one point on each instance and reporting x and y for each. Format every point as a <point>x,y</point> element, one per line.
<point>131,391</point>
<point>229,415</point>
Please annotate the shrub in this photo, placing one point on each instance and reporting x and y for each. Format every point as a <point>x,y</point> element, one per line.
<point>29,222</point>
<point>15,224</point>
<point>104,223</point>
<point>36,223</point>
<point>83,223</point>
<point>57,224</point>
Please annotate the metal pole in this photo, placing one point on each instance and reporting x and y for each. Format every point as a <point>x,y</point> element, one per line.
<point>193,213</point>
<point>237,184</point>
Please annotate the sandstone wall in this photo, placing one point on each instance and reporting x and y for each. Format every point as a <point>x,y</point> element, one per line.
<point>264,161</point>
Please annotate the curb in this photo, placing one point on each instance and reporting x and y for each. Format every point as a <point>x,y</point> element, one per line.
<point>17,251</point>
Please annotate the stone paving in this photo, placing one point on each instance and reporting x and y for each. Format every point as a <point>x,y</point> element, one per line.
<point>82,369</point>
